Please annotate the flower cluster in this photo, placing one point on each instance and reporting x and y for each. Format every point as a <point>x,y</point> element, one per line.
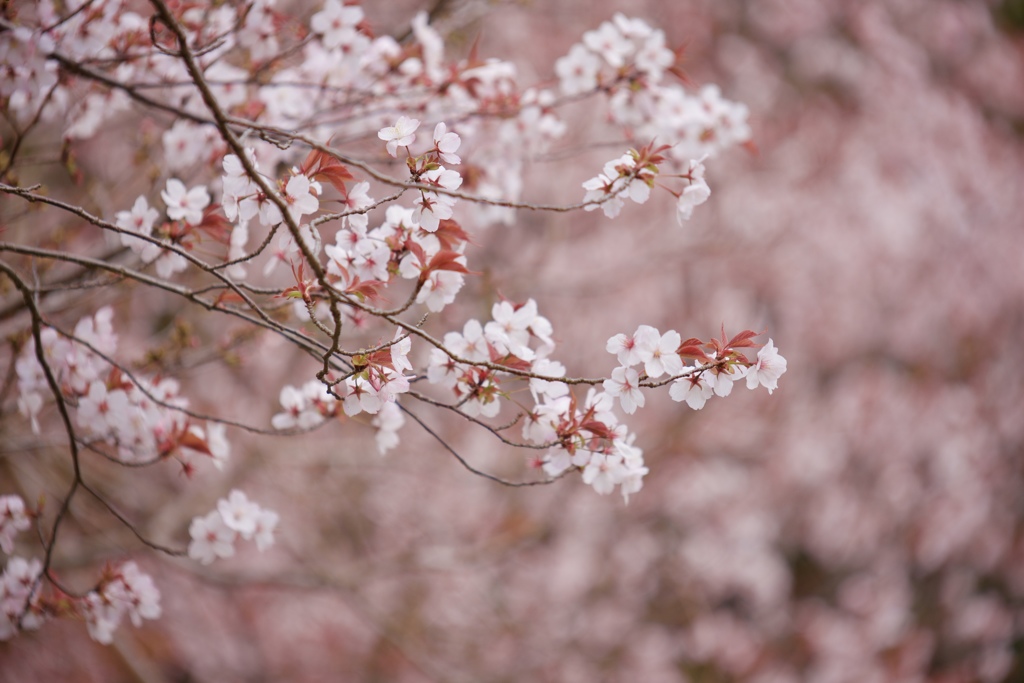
<point>585,437</point>
<point>633,175</point>
<point>185,211</point>
<point>622,176</point>
<point>20,607</point>
<point>628,60</point>
<point>305,407</point>
<point>588,438</point>
<point>618,51</point>
<point>13,519</point>
<point>27,78</point>
<point>516,337</point>
<point>377,378</point>
<point>243,201</point>
<point>432,207</point>
<point>716,365</point>
<point>214,535</point>
<point>141,418</point>
<point>419,243</point>
<point>123,591</point>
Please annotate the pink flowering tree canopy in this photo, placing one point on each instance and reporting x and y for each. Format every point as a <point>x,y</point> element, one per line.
<point>274,213</point>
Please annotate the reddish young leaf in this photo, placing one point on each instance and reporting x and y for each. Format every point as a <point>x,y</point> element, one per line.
<point>311,161</point>
<point>742,340</point>
<point>444,260</point>
<point>336,175</point>
<point>599,429</point>
<point>216,225</point>
<point>450,234</point>
<point>692,351</point>
<point>370,289</point>
<point>510,361</point>
<point>194,442</point>
<point>228,296</point>
<point>416,250</point>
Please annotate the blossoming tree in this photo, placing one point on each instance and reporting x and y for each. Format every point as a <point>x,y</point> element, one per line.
<point>303,178</point>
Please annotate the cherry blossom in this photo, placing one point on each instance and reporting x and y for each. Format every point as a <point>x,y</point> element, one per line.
<point>694,390</point>
<point>258,32</point>
<point>624,383</point>
<point>12,520</point>
<point>304,407</point>
<point>186,143</point>
<point>658,351</point>
<point>17,597</point>
<point>183,203</point>
<point>214,535</point>
<point>510,328</point>
<point>440,289</point>
<point>301,196</point>
<point>604,472</point>
<point>240,192</point>
<point>358,199</point>
<point>139,220</point>
<point>128,591</point>
<point>239,513</point>
<point>432,207</point>
<point>446,143</point>
<point>548,368</point>
<point>608,42</point>
<point>694,194</point>
<point>101,411</point>
<point>768,368</point>
<point>578,70</point>
<point>625,348</point>
<point>266,525</point>
<point>140,594</point>
<point>630,175</point>
<point>336,23</point>
<point>402,134</point>
<point>388,421</point>
<point>362,395</point>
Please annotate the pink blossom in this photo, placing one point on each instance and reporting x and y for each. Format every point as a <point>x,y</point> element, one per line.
<point>363,396</point>
<point>658,352</point>
<point>577,71</point>
<point>184,204</point>
<point>624,383</point>
<point>447,143</point>
<point>140,594</point>
<point>694,390</point>
<point>388,421</point>
<point>625,349</point>
<point>211,538</point>
<point>301,196</point>
<point>402,134</point>
<point>266,525</point>
<point>336,23</point>
<point>608,42</point>
<point>604,472</point>
<point>12,520</point>
<point>768,368</point>
<point>239,513</point>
